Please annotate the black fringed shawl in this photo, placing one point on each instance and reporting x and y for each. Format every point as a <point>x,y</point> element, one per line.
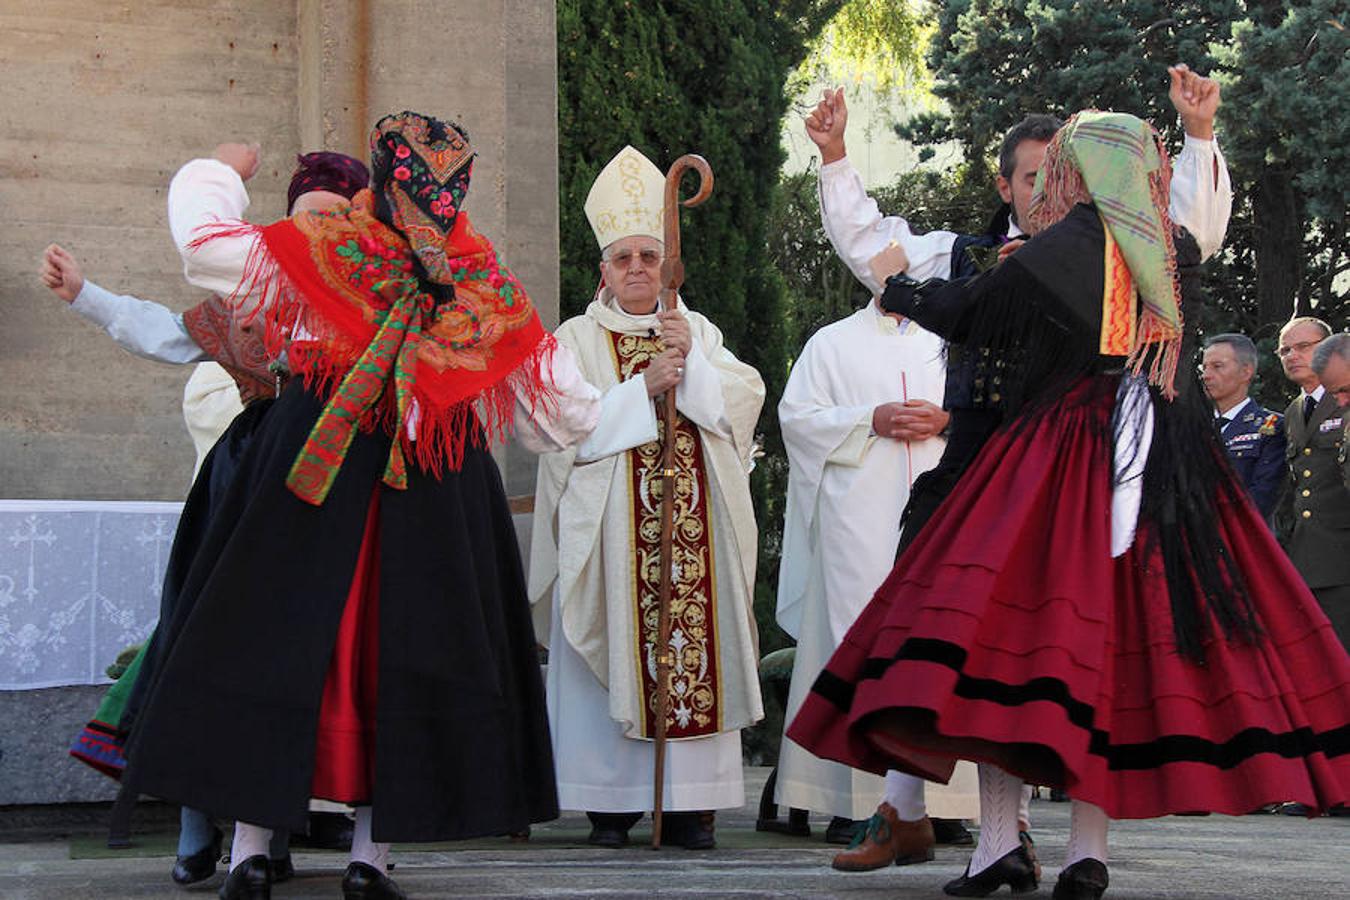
<point>1036,320</point>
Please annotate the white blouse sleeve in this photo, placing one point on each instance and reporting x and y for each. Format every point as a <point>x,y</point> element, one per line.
<point>206,192</point>
<point>1202,199</point>
<point>858,230</point>
<point>139,326</point>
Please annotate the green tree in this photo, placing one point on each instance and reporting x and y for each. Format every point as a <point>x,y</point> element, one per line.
<point>1288,138</point>
<point>996,61</point>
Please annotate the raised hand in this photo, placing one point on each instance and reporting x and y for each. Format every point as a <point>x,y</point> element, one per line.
<point>243,158</point>
<point>1196,100</point>
<point>825,125</point>
<point>61,273</point>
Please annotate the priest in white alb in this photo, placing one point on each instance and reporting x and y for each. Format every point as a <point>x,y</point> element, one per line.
<point>595,564</point>
<point>861,418</point>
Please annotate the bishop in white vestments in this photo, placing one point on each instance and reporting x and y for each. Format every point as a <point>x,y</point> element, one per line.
<point>595,564</point>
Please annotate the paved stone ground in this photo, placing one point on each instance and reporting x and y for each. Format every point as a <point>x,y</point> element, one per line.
<point>1179,858</point>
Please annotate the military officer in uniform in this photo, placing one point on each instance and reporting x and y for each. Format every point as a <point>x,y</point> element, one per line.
<point>1253,435</point>
<point>1315,425</point>
<point>1331,362</point>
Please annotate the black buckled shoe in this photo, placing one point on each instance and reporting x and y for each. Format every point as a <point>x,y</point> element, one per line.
<point>690,830</point>
<point>1013,868</point>
<point>327,831</point>
<point>952,832</point>
<point>250,880</point>
<point>201,865</point>
<point>610,830</point>
<point>1084,880</point>
<point>365,882</point>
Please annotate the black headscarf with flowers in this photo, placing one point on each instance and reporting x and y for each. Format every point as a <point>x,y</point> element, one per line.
<point>409,317</point>
<point>421,170</point>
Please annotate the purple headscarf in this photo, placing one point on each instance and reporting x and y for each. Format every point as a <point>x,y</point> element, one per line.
<point>327,171</point>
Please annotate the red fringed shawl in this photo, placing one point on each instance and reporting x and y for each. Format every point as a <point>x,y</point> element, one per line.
<point>337,293</point>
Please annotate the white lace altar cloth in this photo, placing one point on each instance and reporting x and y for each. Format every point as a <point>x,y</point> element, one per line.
<point>79,581</point>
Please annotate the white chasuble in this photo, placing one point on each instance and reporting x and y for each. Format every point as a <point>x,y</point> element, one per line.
<point>846,491</point>
<point>594,570</point>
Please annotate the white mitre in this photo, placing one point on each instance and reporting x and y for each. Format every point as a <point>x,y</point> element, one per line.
<point>626,199</point>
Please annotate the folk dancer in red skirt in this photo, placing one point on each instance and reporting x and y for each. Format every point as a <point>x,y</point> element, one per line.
<point>1097,605</point>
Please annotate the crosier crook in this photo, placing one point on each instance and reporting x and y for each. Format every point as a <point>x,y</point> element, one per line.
<point>672,276</point>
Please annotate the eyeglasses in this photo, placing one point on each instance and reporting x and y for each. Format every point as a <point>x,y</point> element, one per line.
<point>1300,347</point>
<point>624,258</point>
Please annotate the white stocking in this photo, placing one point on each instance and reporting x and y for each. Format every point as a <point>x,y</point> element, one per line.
<point>1000,795</point>
<point>905,793</point>
<point>1024,808</point>
<point>363,848</point>
<point>1087,834</point>
<point>249,840</point>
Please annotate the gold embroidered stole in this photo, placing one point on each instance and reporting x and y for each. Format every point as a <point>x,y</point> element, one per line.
<point>695,684</point>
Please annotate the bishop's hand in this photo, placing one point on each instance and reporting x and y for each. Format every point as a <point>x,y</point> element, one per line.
<point>674,331</point>
<point>664,372</point>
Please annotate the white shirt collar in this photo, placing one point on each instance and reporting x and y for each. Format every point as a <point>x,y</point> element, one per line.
<point>1317,393</point>
<point>1231,412</point>
<point>887,325</point>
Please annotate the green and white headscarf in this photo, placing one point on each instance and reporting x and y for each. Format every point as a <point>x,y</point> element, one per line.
<point>1117,162</point>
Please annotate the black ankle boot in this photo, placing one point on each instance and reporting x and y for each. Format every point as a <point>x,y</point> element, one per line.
<point>610,829</point>
<point>198,866</point>
<point>841,830</point>
<point>690,830</point>
<point>250,880</point>
<point>365,882</point>
<point>1013,868</point>
<point>1084,880</point>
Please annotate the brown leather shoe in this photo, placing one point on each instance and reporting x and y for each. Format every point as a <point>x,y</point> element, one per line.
<point>886,840</point>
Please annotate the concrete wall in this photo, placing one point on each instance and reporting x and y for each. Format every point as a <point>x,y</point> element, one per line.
<point>102,103</point>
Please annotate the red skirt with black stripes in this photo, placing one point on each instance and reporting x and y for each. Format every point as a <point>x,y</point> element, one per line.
<point>1008,634</point>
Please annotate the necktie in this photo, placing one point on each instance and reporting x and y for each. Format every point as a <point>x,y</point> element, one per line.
<point>1309,404</point>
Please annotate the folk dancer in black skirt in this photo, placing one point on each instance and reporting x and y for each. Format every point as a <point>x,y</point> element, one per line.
<point>362,631</point>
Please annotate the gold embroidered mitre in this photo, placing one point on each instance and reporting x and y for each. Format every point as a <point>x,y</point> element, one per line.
<point>626,199</point>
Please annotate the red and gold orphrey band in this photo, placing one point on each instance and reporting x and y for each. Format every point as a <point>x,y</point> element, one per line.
<point>694,705</point>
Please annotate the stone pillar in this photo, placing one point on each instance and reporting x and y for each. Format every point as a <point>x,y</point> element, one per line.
<point>106,101</point>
